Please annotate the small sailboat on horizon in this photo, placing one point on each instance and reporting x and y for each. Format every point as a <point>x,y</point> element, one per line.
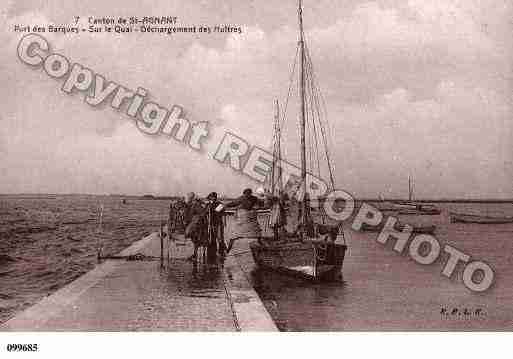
<point>412,207</point>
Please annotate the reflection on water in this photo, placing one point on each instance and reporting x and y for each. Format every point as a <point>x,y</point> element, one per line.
<point>205,282</point>
<point>273,287</point>
<point>193,280</point>
<point>383,290</point>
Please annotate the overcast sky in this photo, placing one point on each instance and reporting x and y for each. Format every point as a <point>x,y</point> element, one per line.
<point>413,87</point>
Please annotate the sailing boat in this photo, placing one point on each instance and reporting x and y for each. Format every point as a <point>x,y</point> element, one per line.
<point>412,207</point>
<point>311,250</point>
<point>409,204</point>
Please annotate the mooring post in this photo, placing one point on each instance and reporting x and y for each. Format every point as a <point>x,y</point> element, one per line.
<point>99,233</point>
<point>161,243</point>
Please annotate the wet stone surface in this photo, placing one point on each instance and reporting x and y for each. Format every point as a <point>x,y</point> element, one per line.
<point>148,296</point>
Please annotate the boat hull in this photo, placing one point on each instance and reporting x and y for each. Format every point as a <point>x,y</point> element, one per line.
<point>420,212</point>
<point>411,208</point>
<point>310,259</point>
<point>472,218</point>
<point>415,229</point>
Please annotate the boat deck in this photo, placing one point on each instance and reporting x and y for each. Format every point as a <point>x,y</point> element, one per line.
<point>120,295</point>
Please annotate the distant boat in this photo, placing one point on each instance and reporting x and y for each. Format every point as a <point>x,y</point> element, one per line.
<point>410,203</point>
<point>415,208</point>
<point>421,209</point>
<point>473,218</point>
<point>429,229</point>
<point>385,206</point>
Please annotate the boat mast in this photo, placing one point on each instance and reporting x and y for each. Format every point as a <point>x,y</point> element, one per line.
<point>410,189</point>
<point>302,119</point>
<point>276,174</point>
<point>278,140</point>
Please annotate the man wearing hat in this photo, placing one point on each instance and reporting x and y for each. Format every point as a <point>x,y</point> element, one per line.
<point>215,212</point>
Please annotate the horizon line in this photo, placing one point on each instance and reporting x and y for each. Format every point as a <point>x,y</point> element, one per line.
<point>368,199</point>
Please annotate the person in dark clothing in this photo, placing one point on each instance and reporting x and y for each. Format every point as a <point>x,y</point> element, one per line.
<point>215,214</point>
<point>171,221</point>
<point>194,220</point>
<point>175,221</point>
<point>179,215</point>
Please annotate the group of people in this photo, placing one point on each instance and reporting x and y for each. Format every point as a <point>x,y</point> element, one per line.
<point>203,221</point>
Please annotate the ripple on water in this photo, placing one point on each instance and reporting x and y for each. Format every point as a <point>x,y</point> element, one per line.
<point>6,259</point>
<point>48,241</point>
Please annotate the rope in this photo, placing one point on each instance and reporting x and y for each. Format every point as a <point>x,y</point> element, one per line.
<point>133,257</point>
<point>320,104</point>
<point>291,83</point>
<point>143,257</point>
<point>230,302</point>
<point>315,150</point>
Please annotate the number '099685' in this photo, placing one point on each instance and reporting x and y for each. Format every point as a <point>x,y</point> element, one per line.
<point>22,347</point>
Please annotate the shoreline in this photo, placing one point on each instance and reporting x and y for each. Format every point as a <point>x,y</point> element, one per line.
<point>169,198</point>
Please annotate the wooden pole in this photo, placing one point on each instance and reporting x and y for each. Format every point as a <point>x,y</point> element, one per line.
<point>99,243</point>
<point>302,119</point>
